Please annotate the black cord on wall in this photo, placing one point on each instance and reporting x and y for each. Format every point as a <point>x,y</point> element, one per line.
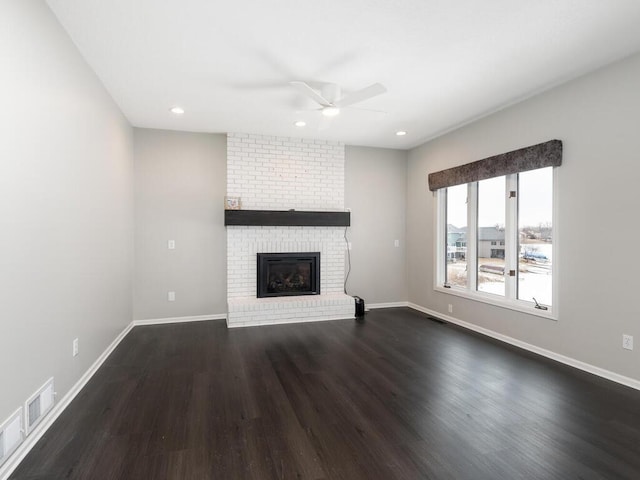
<point>346,240</point>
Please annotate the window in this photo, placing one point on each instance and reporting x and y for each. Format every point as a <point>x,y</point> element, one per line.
<point>535,235</point>
<point>491,219</point>
<point>456,233</point>
<point>495,228</point>
<point>507,223</point>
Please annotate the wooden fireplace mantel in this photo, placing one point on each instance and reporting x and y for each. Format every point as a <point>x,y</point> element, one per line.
<point>286,218</point>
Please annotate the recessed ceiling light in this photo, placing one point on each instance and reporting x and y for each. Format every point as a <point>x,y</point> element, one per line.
<point>177,110</point>
<point>330,111</point>
<point>401,133</point>
<point>300,123</point>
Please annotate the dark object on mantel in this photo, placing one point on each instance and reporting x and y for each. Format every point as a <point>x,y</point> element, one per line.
<point>290,218</point>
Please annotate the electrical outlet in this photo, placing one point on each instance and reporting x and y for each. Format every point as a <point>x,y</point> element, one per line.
<point>171,244</point>
<point>75,347</point>
<point>627,342</point>
<point>171,296</point>
<point>450,308</point>
<point>396,243</point>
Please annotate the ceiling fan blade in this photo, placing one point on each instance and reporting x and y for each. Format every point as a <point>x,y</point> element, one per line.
<point>362,95</point>
<point>310,92</point>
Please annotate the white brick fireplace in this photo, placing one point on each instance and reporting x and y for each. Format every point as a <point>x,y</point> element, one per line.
<point>275,173</point>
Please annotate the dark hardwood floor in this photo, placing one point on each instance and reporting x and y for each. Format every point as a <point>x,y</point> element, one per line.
<point>397,396</point>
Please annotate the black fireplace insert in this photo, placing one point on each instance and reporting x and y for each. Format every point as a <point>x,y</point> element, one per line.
<point>288,274</point>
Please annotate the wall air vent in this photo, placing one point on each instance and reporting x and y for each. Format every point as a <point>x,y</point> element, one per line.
<point>38,405</point>
<point>11,435</point>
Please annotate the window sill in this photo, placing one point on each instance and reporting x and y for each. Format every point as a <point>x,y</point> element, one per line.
<point>498,302</point>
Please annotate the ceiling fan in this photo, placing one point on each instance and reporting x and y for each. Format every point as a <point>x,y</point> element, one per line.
<point>330,98</point>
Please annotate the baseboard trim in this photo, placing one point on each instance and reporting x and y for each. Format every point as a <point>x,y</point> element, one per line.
<point>197,318</point>
<point>572,362</point>
<point>29,442</point>
<point>373,306</point>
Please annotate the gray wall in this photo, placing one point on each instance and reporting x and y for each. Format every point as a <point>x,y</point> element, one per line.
<point>66,208</point>
<point>375,191</point>
<point>597,117</point>
<point>180,183</point>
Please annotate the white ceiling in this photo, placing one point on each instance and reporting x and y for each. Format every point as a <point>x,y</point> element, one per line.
<point>444,62</point>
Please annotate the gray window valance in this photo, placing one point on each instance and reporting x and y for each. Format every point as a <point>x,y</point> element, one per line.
<point>547,154</point>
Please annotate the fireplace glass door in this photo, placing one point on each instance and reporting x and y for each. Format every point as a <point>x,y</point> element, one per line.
<point>288,274</point>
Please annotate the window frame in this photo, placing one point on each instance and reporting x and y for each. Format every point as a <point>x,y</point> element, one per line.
<point>510,300</point>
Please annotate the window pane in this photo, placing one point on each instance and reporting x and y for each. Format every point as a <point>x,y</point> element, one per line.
<point>535,229</point>
<point>457,236</point>
<point>491,237</point>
